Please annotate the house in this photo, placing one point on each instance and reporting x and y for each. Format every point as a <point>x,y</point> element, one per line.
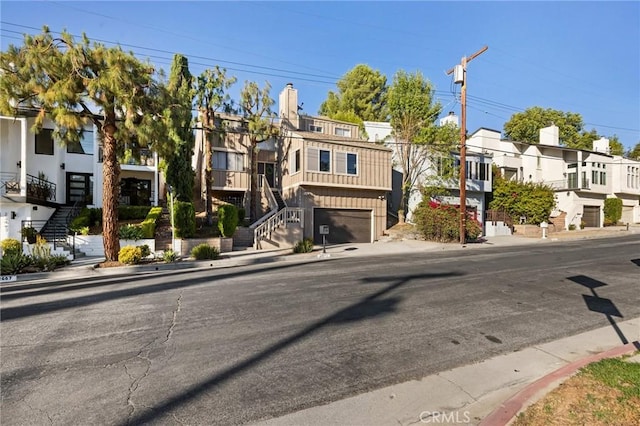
<point>581,179</point>
<point>318,172</point>
<point>338,179</point>
<point>478,173</point>
<point>41,181</point>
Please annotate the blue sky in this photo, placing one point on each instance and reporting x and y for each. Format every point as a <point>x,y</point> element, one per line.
<point>582,57</point>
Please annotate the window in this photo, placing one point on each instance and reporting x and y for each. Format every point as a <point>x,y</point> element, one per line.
<point>44,142</point>
<point>295,166</point>
<point>484,171</point>
<point>232,161</point>
<point>346,163</point>
<point>538,162</point>
<point>603,178</point>
<point>316,129</point>
<point>325,161</point>
<point>594,177</point>
<point>318,160</point>
<point>84,146</point>
<point>343,132</point>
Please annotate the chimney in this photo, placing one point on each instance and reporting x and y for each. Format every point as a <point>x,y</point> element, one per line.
<point>288,107</point>
<point>602,145</point>
<point>550,135</point>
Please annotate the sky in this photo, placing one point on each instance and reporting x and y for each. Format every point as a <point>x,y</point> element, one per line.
<point>581,57</point>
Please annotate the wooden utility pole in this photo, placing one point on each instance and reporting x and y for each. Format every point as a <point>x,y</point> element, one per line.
<point>462,79</point>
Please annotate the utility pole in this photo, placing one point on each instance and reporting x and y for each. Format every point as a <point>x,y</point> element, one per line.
<point>460,77</point>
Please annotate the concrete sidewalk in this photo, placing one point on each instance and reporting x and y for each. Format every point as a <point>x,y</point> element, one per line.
<point>491,392</point>
<point>84,268</point>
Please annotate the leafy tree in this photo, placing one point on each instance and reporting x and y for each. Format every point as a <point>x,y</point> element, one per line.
<point>75,83</point>
<point>634,153</point>
<point>413,114</point>
<point>532,200</point>
<point>361,97</point>
<point>256,105</point>
<point>179,173</point>
<point>212,98</point>
<point>525,127</point>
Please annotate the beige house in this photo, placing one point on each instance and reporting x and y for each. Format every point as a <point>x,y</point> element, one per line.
<point>318,172</point>
<point>338,179</point>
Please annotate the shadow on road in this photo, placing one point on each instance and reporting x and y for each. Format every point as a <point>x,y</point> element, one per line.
<point>369,307</point>
<point>602,305</point>
<point>182,281</point>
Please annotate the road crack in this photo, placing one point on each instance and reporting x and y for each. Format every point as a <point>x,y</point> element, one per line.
<point>143,355</point>
<point>459,387</point>
<point>175,316</point>
<point>38,410</point>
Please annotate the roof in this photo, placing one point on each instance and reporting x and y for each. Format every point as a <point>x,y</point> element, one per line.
<point>339,140</point>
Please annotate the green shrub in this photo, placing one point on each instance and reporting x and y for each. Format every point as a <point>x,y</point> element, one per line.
<point>60,260</point>
<point>572,227</point>
<point>169,256</point>
<point>13,263</point>
<point>530,199</point>
<point>134,212</point>
<point>204,251</point>
<point>130,255</point>
<point>131,232</point>
<point>613,210</point>
<point>227,219</point>
<point>184,218</point>
<point>10,245</point>
<point>242,214</point>
<point>144,250</point>
<point>304,246</point>
<point>442,223</point>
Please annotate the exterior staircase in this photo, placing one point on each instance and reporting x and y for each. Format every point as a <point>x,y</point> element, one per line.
<point>279,200</point>
<point>163,231</point>
<point>56,230</point>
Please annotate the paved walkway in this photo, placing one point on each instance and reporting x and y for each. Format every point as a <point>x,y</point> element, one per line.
<point>488,393</point>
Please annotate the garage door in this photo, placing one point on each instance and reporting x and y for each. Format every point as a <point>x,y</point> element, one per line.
<point>345,225</point>
<point>591,216</point>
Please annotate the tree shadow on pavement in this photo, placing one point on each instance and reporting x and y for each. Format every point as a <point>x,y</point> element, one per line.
<point>369,307</point>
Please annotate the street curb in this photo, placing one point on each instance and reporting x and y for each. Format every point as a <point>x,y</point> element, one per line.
<point>508,410</point>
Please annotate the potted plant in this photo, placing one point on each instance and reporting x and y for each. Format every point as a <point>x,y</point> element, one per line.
<point>30,234</point>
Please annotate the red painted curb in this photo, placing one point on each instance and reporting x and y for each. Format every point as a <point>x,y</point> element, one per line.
<point>508,409</point>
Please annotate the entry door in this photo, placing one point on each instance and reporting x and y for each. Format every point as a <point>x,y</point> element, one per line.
<point>269,172</point>
<point>79,188</point>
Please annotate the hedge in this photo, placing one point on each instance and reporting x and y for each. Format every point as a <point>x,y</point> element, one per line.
<point>184,218</point>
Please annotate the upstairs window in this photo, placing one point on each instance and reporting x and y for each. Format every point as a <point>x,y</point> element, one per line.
<point>318,160</point>
<point>316,129</point>
<point>231,161</point>
<point>346,163</point>
<point>44,142</point>
<point>343,132</point>
<point>295,164</point>
<point>84,146</point>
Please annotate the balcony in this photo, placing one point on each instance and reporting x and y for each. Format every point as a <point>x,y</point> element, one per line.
<point>569,184</point>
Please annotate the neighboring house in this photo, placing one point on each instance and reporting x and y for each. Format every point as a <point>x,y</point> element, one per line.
<point>478,178</point>
<point>41,180</point>
<point>582,179</point>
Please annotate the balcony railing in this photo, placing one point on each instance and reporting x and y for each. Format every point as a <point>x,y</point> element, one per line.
<point>569,184</point>
<point>40,188</point>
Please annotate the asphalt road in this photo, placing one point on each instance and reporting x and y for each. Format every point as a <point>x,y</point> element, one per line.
<point>236,345</point>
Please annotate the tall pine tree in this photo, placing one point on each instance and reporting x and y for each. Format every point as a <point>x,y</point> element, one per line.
<point>179,173</point>
<point>77,82</point>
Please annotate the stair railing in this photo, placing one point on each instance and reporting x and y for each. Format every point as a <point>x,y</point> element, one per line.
<point>283,218</point>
